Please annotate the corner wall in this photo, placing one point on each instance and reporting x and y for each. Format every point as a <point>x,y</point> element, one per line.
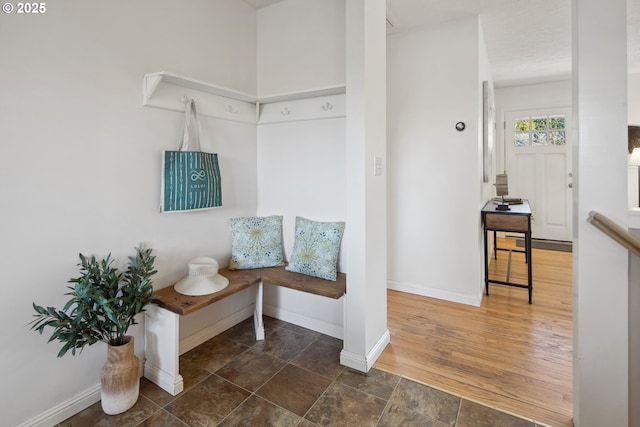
<point>302,164</point>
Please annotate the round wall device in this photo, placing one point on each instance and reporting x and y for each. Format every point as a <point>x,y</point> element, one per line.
<point>460,126</point>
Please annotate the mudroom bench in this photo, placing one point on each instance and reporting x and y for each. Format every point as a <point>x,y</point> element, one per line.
<point>162,318</point>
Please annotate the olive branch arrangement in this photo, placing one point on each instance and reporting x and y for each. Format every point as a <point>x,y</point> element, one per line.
<point>103,305</point>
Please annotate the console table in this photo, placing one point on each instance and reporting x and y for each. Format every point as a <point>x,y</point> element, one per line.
<point>515,220</point>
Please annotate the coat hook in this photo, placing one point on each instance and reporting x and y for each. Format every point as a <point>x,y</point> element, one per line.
<point>328,106</point>
<point>231,110</point>
<point>285,111</point>
<point>184,99</point>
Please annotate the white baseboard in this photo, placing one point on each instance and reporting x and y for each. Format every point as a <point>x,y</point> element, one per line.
<point>364,363</point>
<point>72,406</point>
<point>64,410</point>
<point>173,385</point>
<point>304,321</point>
<point>215,329</point>
<point>436,293</point>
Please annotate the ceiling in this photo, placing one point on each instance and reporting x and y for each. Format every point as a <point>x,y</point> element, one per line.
<point>527,41</point>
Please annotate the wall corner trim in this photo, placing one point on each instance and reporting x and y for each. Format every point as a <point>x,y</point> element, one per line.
<point>364,363</point>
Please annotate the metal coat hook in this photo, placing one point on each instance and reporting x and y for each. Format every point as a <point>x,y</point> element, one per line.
<point>328,106</point>
<point>231,110</point>
<point>285,111</point>
<point>184,99</point>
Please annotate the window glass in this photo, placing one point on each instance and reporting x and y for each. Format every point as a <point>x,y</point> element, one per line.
<point>539,123</point>
<point>556,122</point>
<point>521,139</point>
<point>540,130</point>
<point>522,124</point>
<point>557,138</point>
<point>538,138</point>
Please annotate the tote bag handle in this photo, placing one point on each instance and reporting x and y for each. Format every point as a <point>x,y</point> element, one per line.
<point>190,138</point>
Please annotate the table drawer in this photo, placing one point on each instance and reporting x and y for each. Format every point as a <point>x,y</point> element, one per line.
<point>507,222</point>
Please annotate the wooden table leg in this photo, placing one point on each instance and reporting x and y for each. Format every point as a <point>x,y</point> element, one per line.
<point>529,267</point>
<point>486,262</point>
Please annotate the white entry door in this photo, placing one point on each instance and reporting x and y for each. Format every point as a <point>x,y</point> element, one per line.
<point>538,164</point>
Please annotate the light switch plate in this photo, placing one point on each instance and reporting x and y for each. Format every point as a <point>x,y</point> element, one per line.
<point>377,166</point>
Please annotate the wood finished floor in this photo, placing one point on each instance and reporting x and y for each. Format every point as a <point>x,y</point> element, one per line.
<point>506,353</point>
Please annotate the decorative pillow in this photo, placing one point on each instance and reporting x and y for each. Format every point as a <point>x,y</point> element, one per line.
<point>256,242</point>
<point>315,248</point>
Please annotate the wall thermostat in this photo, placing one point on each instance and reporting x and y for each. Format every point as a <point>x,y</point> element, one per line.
<point>460,126</point>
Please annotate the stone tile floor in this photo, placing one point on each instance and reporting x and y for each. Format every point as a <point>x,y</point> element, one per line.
<point>292,378</point>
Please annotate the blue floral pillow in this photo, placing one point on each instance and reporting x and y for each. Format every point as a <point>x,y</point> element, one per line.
<point>315,248</point>
<point>256,242</point>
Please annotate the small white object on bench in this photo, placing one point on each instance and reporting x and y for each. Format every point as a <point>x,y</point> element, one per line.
<point>203,278</point>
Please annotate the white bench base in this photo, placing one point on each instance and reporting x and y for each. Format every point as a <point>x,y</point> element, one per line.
<point>162,343</point>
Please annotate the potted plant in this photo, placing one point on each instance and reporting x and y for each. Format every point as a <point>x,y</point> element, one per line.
<point>103,305</point>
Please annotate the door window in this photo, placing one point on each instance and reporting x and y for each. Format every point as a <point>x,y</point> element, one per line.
<point>532,131</point>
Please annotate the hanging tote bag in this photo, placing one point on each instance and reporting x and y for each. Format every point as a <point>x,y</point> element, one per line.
<point>190,178</point>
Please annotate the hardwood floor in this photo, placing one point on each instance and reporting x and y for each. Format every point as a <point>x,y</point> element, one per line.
<point>507,353</point>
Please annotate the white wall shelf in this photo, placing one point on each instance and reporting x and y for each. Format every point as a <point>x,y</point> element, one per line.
<point>305,94</point>
<point>153,80</point>
<point>169,91</point>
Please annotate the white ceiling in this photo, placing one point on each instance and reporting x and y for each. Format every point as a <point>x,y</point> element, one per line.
<point>527,41</point>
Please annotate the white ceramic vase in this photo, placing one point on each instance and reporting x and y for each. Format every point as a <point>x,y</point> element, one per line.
<point>120,381</point>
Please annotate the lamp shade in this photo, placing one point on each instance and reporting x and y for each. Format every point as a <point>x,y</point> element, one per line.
<point>634,159</point>
<point>634,137</point>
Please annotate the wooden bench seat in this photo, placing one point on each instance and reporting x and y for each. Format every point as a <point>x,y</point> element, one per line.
<point>239,280</point>
<point>278,276</point>
<point>162,320</point>
<point>181,304</point>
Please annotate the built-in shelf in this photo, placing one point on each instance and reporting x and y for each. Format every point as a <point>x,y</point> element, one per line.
<point>313,93</point>
<point>170,91</point>
<point>153,80</point>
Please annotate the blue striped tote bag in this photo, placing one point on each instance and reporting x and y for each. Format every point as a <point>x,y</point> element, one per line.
<point>190,177</point>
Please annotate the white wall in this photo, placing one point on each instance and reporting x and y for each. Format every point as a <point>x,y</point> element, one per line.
<point>301,172</point>
<point>435,181</point>
<point>302,165</point>
<point>80,165</point>
<point>301,46</point>
<point>601,330</point>
<point>633,113</point>
<point>633,100</point>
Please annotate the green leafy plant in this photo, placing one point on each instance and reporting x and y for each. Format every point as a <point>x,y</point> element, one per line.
<point>104,302</point>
